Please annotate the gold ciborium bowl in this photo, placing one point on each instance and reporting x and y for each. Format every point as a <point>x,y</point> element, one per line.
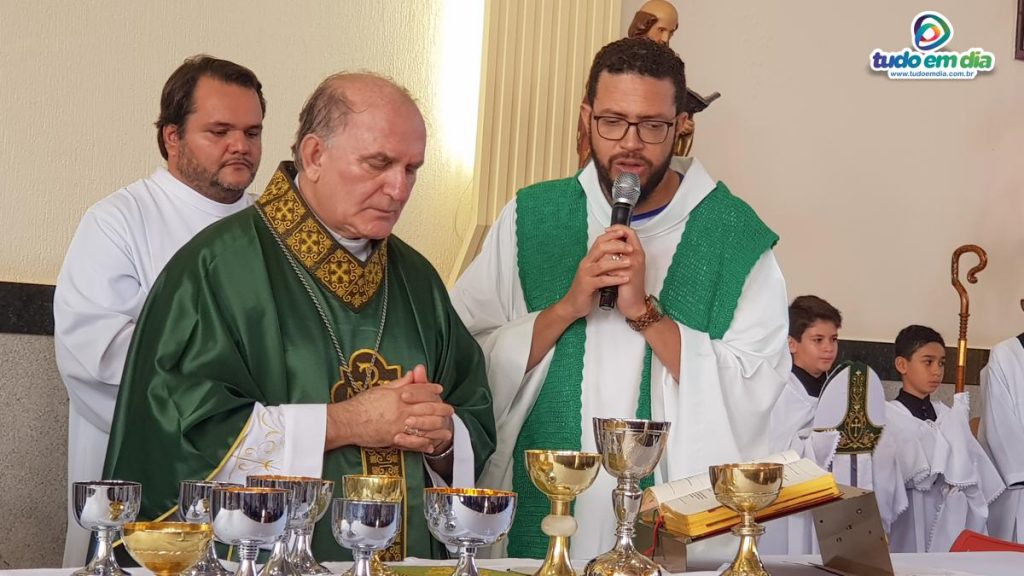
<point>745,489</point>
<point>561,476</point>
<point>371,487</point>
<point>167,548</point>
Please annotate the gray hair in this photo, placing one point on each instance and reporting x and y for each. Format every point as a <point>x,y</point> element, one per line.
<point>326,111</point>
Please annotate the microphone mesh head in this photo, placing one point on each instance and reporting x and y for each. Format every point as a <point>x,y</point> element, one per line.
<point>626,189</point>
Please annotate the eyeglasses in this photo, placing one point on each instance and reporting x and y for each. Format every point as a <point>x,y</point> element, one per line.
<point>649,131</point>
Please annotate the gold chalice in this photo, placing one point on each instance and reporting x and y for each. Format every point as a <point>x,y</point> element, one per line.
<point>167,548</point>
<point>561,476</point>
<point>373,488</point>
<point>746,488</point>
<point>370,487</point>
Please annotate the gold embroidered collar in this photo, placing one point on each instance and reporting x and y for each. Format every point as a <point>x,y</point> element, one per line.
<point>337,269</point>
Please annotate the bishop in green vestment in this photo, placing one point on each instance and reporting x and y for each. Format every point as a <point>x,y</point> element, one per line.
<point>283,340</point>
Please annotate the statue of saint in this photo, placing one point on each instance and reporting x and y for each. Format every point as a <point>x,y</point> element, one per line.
<point>658,21</point>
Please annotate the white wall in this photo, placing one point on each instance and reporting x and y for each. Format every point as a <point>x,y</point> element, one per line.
<point>80,86</point>
<point>870,182</point>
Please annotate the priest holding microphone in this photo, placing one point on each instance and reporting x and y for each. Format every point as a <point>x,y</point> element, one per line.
<point>695,332</point>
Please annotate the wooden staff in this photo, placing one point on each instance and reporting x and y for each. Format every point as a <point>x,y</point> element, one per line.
<point>965,304</point>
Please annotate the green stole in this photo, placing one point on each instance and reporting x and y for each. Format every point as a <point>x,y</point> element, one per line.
<point>722,241</point>
<point>857,433</point>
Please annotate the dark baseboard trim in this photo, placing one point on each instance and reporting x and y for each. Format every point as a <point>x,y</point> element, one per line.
<point>879,355</point>
<point>26,308</point>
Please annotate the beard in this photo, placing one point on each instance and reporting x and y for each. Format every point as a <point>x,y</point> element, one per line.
<point>656,173</point>
<point>209,182</point>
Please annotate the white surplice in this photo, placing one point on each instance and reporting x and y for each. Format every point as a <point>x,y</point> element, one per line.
<point>720,406</point>
<point>792,420</point>
<point>119,249</point>
<point>1002,435</point>
<point>950,481</point>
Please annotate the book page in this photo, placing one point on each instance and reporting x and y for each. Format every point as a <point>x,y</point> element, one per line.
<point>675,490</point>
<point>780,458</point>
<point>801,471</point>
<point>699,501</point>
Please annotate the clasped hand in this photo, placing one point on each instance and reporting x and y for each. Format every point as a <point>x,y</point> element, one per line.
<point>407,413</point>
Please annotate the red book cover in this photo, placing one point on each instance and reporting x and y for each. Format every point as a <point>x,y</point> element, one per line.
<point>970,541</point>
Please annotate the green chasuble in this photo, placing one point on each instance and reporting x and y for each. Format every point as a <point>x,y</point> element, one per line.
<point>229,323</point>
<point>721,242</point>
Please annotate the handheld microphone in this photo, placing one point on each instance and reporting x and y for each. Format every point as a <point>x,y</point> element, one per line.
<point>625,194</point>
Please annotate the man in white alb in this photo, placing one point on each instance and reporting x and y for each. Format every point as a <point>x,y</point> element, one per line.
<point>698,333</point>
<point>209,132</point>
<point>1002,434</point>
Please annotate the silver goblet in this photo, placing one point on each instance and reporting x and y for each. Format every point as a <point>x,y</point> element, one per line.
<point>194,507</point>
<point>630,450</point>
<point>301,555</point>
<point>104,506</point>
<point>310,500</point>
<point>365,526</point>
<point>249,518</point>
<point>469,518</point>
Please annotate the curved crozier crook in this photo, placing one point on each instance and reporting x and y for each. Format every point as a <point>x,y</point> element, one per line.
<point>972,274</point>
<point>965,303</point>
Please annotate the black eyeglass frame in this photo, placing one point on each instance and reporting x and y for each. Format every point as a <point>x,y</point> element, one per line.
<point>666,123</point>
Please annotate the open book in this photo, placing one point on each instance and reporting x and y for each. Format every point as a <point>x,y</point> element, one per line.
<point>688,507</point>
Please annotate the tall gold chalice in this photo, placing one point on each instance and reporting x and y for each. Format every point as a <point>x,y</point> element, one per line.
<point>746,488</point>
<point>373,488</point>
<point>167,548</point>
<point>561,476</point>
